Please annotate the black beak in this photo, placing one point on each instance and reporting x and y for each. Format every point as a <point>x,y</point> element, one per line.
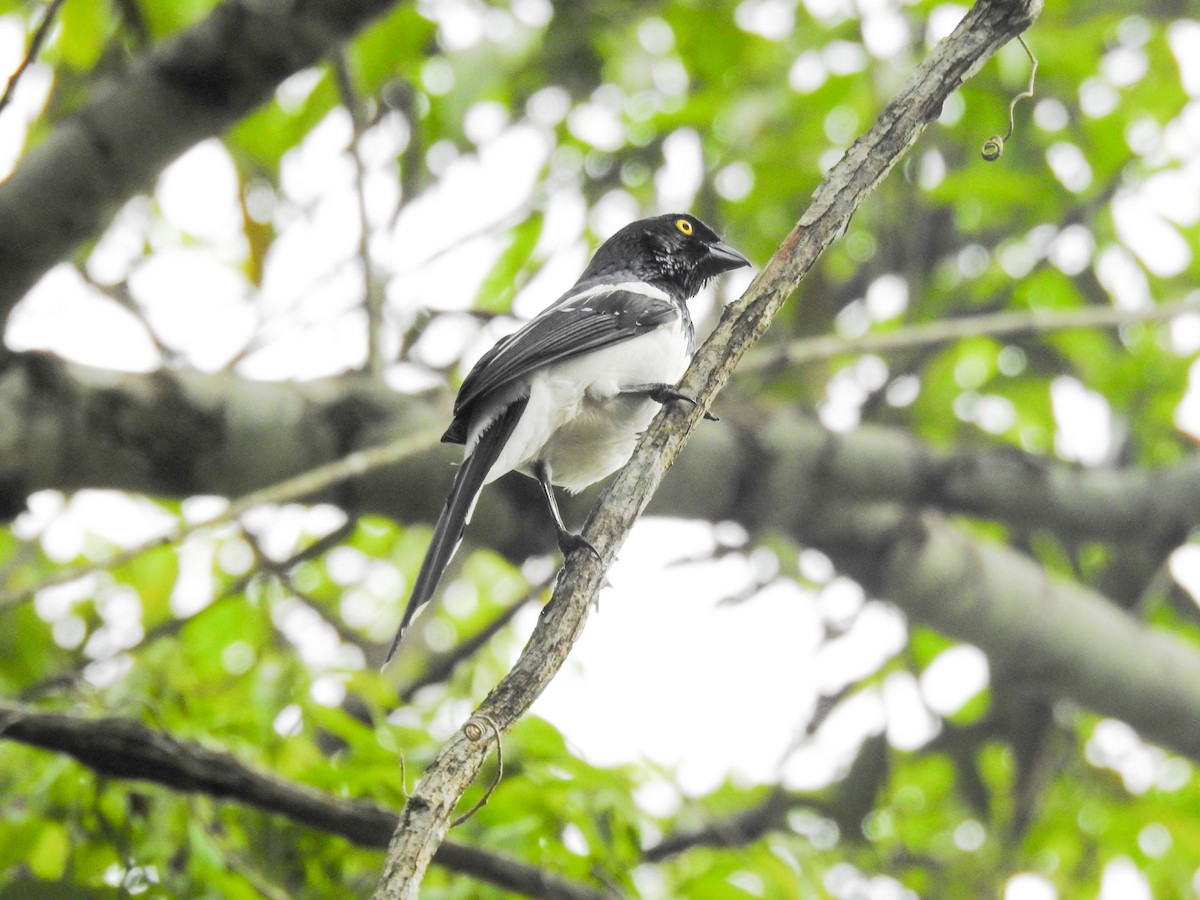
<point>723,258</point>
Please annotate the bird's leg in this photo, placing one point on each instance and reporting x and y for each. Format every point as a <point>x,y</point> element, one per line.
<point>567,540</point>
<point>662,393</point>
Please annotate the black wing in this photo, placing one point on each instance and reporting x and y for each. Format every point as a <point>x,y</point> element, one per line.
<point>575,324</point>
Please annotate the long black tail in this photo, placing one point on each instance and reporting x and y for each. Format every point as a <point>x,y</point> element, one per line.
<point>448,532</point>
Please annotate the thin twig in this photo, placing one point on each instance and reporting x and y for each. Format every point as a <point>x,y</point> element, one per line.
<point>303,485</point>
<point>737,830</point>
<point>35,46</point>
<point>121,295</point>
<point>172,626</point>
<point>442,666</point>
<point>372,296</point>
<point>282,572</point>
<point>1033,321</point>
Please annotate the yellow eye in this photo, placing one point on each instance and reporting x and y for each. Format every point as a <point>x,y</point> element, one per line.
<point>684,226</point>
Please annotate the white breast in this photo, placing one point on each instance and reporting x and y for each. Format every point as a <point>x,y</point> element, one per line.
<point>576,419</point>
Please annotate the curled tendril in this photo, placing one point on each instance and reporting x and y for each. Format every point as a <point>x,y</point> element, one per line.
<point>993,147</point>
<point>474,732</point>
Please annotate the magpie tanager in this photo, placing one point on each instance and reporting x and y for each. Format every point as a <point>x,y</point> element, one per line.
<point>565,398</point>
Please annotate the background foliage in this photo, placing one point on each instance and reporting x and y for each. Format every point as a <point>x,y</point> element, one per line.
<point>258,638</point>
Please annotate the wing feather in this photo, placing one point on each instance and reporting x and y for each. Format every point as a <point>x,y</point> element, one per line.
<point>586,319</point>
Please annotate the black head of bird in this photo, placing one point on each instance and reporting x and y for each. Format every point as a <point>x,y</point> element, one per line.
<point>675,252</point>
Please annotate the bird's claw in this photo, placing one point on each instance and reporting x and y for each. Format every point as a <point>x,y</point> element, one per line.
<point>667,394</point>
<point>569,540</point>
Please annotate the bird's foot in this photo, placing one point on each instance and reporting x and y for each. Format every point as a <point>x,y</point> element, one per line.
<point>666,393</point>
<point>569,540</point>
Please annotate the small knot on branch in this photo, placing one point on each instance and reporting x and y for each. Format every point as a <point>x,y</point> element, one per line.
<point>474,731</point>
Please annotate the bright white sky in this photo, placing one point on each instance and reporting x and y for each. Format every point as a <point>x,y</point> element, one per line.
<point>665,671</point>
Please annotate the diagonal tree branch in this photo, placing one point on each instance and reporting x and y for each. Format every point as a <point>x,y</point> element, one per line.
<point>426,817</point>
<point>123,748</point>
<point>191,87</point>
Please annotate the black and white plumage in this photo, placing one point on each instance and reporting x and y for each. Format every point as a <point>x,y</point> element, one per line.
<point>565,398</point>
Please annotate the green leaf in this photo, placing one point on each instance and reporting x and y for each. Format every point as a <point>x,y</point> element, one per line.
<point>165,17</point>
<point>510,271</point>
<point>48,856</point>
<point>260,140</point>
<point>85,28</point>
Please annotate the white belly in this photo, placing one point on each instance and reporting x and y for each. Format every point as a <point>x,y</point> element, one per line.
<point>576,419</point>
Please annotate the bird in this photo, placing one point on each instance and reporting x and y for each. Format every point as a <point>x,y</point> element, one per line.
<point>565,398</point>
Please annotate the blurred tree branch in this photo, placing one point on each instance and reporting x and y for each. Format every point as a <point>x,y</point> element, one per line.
<point>846,803</point>
<point>737,830</point>
<point>1042,631</point>
<point>122,748</point>
<point>372,286</point>
<point>85,427</point>
<point>997,325</point>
